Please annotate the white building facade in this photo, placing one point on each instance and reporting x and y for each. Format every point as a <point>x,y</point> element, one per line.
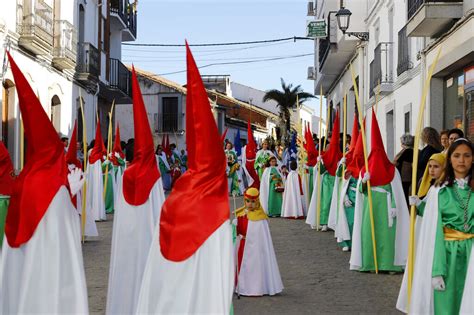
<point>391,67</point>
<point>66,53</point>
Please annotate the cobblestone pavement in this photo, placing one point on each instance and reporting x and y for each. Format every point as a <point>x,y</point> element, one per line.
<point>315,274</point>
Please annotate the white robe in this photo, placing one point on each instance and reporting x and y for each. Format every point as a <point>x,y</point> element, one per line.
<point>422,294</point>
<point>132,236</point>
<point>95,192</point>
<point>201,284</point>
<point>292,199</point>
<point>259,273</point>
<point>402,232</point>
<point>315,195</point>
<point>90,228</point>
<point>46,274</point>
<point>246,173</point>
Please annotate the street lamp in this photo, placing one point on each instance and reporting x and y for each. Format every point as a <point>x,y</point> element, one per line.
<point>343,19</point>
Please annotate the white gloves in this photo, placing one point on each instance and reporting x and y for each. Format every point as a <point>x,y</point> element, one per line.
<point>393,212</point>
<point>414,201</point>
<point>320,160</point>
<point>347,202</point>
<point>70,167</point>
<point>75,181</point>
<point>117,155</point>
<point>438,283</point>
<point>366,177</point>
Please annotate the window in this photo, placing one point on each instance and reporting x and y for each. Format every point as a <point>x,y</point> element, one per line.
<point>56,112</point>
<point>169,114</point>
<point>407,122</point>
<point>404,62</point>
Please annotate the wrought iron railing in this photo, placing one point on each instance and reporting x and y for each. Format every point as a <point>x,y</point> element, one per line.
<point>324,47</point>
<point>35,19</point>
<point>414,5</point>
<point>65,40</point>
<point>120,77</point>
<point>87,59</point>
<point>132,21</point>
<point>382,71</point>
<point>118,7</point>
<point>404,62</point>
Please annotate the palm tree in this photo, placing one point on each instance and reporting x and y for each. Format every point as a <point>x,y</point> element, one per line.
<point>286,100</point>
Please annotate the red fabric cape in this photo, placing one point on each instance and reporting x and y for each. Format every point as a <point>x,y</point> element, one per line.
<point>199,203</point>
<point>142,174</point>
<point>44,172</point>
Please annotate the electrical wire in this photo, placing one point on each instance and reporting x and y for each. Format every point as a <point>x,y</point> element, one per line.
<point>240,62</point>
<point>294,38</point>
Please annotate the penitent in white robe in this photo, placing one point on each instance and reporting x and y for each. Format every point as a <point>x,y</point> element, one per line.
<point>292,206</point>
<point>201,284</point>
<point>132,237</point>
<point>95,192</point>
<point>258,273</point>
<point>46,274</point>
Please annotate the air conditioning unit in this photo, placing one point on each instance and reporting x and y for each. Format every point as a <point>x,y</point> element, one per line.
<point>311,73</point>
<point>311,8</point>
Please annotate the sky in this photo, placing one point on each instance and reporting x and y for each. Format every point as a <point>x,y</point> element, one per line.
<point>221,21</point>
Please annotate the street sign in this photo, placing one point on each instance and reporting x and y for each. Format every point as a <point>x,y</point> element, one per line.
<point>316,29</point>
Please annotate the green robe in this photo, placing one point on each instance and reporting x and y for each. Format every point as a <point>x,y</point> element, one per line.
<point>232,176</point>
<point>311,180</point>
<point>326,195</point>
<point>275,199</point>
<point>451,258</point>
<point>260,161</point>
<point>4,202</point>
<point>109,194</point>
<point>384,235</point>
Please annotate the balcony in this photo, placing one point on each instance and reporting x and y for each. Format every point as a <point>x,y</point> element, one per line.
<point>120,77</point>
<point>130,32</point>
<point>35,26</point>
<point>382,69</point>
<point>65,45</point>
<point>123,16</point>
<point>87,65</point>
<point>404,62</point>
<point>427,18</point>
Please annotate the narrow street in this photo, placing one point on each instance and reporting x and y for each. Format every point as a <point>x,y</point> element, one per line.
<point>315,274</point>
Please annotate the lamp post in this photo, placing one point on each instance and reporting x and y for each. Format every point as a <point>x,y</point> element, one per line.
<point>343,19</point>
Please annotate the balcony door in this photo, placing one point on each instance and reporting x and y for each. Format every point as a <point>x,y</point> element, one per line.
<point>56,113</point>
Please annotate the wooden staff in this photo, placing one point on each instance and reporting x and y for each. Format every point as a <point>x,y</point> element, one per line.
<point>109,148</point>
<point>411,244</point>
<point>369,189</point>
<point>84,187</point>
<point>318,181</point>
<point>344,142</point>
<point>327,122</point>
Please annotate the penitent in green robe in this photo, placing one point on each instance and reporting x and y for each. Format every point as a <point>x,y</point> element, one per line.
<point>310,181</point>
<point>261,160</point>
<point>384,235</point>
<point>451,258</point>
<point>4,202</point>
<point>109,194</point>
<point>275,199</point>
<point>326,195</point>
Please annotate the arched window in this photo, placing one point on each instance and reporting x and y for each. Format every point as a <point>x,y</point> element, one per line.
<point>56,112</point>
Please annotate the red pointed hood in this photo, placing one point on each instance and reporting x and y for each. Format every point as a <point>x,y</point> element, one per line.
<point>167,148</point>
<point>311,149</point>
<point>198,204</point>
<point>357,161</point>
<point>380,168</point>
<point>332,156</point>
<point>98,151</point>
<point>117,147</point>
<point>6,171</point>
<point>44,172</point>
<point>71,156</point>
<point>251,147</point>
<point>142,174</point>
<point>354,137</point>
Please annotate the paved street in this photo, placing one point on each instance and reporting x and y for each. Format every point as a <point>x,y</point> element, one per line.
<point>315,274</point>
